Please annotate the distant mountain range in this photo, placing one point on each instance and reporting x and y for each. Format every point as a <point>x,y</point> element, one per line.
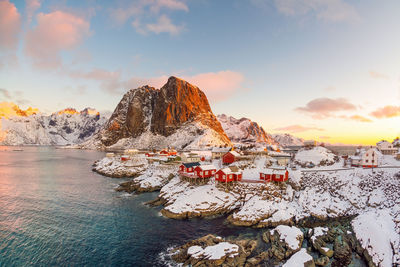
<point>30,127</point>
<point>176,115</point>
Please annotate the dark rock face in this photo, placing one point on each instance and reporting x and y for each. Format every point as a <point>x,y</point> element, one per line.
<point>160,111</point>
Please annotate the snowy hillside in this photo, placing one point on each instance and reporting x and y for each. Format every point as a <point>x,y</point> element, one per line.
<point>244,131</point>
<point>61,128</point>
<point>287,140</point>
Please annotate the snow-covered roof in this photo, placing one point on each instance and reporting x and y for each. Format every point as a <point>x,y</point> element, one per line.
<point>207,167</point>
<point>230,171</point>
<point>273,171</point>
<point>220,149</point>
<point>236,154</point>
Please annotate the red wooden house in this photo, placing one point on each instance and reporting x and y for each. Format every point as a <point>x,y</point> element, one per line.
<point>230,157</point>
<point>266,175</point>
<point>269,175</point>
<point>188,167</point>
<point>205,171</point>
<point>228,175</point>
<point>168,152</point>
<point>125,158</point>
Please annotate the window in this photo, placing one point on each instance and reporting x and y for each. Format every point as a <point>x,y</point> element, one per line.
<point>217,176</point>
<point>366,161</point>
<point>206,173</point>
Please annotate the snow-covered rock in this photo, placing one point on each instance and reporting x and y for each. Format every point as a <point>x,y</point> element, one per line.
<point>375,230</point>
<point>300,258</point>
<point>115,167</point>
<point>187,201</point>
<point>315,155</point>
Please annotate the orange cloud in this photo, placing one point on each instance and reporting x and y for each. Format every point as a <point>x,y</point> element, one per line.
<point>386,112</point>
<point>378,75</point>
<point>10,25</point>
<point>55,32</point>
<point>321,108</point>
<point>297,129</point>
<point>359,118</point>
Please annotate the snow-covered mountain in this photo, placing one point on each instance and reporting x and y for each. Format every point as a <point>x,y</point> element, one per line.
<point>288,140</point>
<point>177,115</point>
<point>245,132</point>
<point>30,127</point>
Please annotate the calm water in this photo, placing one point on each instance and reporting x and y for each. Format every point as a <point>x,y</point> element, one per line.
<point>55,211</point>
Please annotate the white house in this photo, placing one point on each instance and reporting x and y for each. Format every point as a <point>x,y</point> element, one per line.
<point>366,159</point>
<point>386,148</point>
<point>218,152</point>
<point>190,157</point>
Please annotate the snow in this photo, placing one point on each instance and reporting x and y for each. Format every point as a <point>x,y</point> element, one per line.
<point>291,235</point>
<point>375,231</point>
<point>214,252</point>
<point>298,259</point>
<point>314,155</point>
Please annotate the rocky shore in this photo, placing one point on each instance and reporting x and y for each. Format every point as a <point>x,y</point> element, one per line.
<point>362,195</point>
<point>332,245</point>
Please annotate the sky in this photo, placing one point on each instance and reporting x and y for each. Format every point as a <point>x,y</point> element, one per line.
<point>327,70</point>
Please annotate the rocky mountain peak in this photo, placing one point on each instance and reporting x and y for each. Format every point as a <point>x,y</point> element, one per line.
<point>161,112</point>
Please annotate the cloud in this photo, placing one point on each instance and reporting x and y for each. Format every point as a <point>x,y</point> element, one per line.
<point>378,75</point>
<point>359,118</point>
<point>30,8</point>
<point>321,108</point>
<point>298,128</point>
<point>325,10</point>
<point>168,4</point>
<point>55,32</point>
<point>5,94</point>
<point>163,24</point>
<point>386,112</point>
<point>146,18</point>
<point>10,25</point>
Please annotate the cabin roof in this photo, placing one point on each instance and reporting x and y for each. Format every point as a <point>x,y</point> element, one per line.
<point>236,154</point>
<point>207,167</point>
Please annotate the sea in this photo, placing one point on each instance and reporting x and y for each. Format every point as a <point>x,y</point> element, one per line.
<point>54,211</point>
